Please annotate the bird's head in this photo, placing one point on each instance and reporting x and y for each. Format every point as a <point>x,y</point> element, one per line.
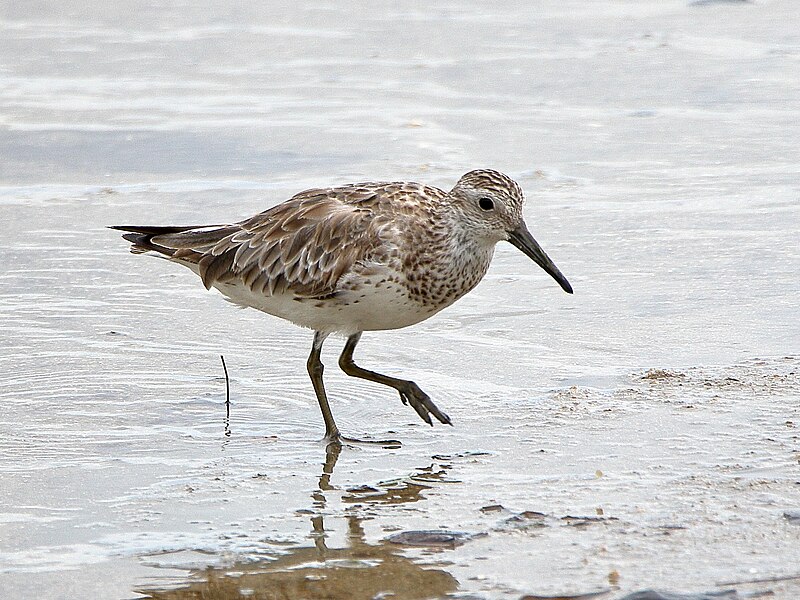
<point>491,204</point>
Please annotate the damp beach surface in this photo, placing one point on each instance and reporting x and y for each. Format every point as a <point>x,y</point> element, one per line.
<point>641,434</point>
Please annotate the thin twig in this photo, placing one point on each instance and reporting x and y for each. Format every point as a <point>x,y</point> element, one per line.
<point>227,388</point>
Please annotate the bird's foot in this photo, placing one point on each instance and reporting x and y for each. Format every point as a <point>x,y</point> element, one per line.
<point>410,393</point>
<point>342,440</point>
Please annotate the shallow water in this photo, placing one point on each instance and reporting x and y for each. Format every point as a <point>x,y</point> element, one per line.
<point>642,433</point>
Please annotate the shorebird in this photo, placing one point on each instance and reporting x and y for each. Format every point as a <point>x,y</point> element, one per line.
<point>354,258</point>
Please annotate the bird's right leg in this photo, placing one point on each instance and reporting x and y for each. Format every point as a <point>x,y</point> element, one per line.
<point>315,370</point>
<point>410,393</point>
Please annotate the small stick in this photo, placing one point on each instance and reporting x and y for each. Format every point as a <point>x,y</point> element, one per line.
<point>227,388</point>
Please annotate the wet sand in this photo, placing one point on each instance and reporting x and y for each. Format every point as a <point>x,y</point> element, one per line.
<point>641,434</point>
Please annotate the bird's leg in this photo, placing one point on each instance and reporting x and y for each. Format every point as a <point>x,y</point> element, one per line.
<point>410,393</point>
<point>315,370</point>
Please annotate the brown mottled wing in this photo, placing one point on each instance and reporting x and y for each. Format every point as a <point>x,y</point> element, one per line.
<point>303,245</point>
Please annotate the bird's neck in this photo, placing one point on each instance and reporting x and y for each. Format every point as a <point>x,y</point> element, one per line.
<point>470,258</point>
<point>445,263</point>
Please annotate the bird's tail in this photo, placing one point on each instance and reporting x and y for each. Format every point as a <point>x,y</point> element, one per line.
<point>141,237</point>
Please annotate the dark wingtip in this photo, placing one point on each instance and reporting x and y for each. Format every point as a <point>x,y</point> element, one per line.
<point>135,238</point>
<point>141,238</point>
<point>152,229</point>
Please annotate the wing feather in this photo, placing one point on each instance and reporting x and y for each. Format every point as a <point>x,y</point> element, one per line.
<point>304,245</point>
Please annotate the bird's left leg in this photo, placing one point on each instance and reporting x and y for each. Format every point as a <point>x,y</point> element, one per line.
<point>315,370</point>
<point>410,393</point>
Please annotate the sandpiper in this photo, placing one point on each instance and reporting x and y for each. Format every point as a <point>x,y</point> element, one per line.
<point>354,258</point>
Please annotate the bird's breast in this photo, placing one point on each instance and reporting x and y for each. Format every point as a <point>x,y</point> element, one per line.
<point>440,278</point>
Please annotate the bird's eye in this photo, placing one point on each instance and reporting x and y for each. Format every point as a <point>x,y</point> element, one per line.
<point>486,203</point>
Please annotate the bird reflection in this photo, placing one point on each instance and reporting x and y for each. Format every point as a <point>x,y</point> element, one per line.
<point>332,452</point>
<point>359,571</point>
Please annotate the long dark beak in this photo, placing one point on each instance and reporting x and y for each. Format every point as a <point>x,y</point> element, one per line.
<point>523,240</point>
